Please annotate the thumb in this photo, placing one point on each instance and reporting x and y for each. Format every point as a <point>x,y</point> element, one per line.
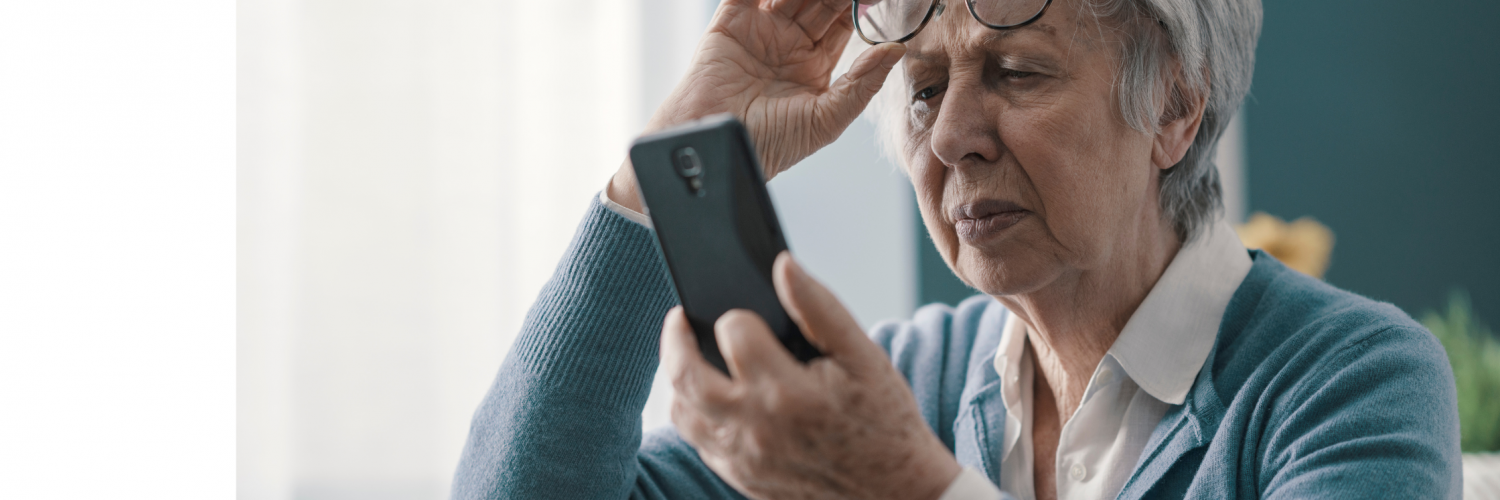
<point>822,318</point>
<point>853,91</point>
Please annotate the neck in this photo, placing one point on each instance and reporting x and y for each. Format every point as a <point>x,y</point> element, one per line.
<point>1072,322</point>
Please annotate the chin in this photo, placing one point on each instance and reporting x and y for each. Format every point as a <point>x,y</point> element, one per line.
<point>1004,271</point>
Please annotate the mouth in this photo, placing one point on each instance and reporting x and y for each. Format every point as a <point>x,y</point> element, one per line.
<point>983,219</point>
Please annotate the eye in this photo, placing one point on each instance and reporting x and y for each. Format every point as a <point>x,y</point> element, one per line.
<point>1010,74</point>
<point>927,93</point>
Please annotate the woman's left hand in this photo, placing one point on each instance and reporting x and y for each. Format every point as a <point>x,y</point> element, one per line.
<point>842,426</point>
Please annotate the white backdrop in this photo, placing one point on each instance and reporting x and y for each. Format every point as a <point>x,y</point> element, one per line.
<point>390,237</point>
<point>409,173</point>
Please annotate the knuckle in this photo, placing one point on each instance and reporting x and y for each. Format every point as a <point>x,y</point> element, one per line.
<point>681,416</point>
<point>684,380</point>
<point>717,399</point>
<point>679,411</point>
<point>679,380</point>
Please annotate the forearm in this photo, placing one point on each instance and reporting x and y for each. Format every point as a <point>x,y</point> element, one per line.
<point>563,417</point>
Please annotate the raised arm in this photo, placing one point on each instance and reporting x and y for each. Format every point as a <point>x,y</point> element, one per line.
<point>563,419</point>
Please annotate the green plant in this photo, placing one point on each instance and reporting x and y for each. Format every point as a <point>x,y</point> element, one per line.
<point>1475,355</point>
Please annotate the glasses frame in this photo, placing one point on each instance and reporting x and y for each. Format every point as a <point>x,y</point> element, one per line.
<point>937,6</point>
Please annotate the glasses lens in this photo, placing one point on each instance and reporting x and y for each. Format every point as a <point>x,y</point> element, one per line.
<point>1006,13</point>
<point>890,20</point>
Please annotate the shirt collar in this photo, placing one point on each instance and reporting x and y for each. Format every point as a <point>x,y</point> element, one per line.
<point>1014,368</point>
<point>1166,341</point>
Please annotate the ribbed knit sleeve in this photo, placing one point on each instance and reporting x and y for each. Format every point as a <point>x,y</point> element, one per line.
<point>563,418</point>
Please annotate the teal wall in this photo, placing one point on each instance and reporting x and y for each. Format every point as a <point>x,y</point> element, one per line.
<point>1382,120</point>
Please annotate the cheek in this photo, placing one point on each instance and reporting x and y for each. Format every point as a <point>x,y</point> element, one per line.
<point>1084,169</point>
<point>928,176</point>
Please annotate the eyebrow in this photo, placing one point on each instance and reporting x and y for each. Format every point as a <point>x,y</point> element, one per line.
<point>922,56</point>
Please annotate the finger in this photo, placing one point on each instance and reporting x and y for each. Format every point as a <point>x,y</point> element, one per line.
<point>835,40</point>
<point>750,348</point>
<point>825,320</point>
<point>816,16</point>
<point>787,8</point>
<point>837,37</point>
<point>853,91</point>
<point>692,377</point>
<point>729,9</point>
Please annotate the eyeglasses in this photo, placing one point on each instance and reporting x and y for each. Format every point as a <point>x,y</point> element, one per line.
<point>880,21</point>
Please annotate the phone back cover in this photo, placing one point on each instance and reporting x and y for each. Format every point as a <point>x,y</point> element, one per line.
<point>716,264</point>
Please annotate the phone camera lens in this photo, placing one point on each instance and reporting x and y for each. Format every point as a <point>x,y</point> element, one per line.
<point>688,163</point>
<point>690,167</point>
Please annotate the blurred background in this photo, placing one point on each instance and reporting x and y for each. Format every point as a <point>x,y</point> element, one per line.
<point>411,171</point>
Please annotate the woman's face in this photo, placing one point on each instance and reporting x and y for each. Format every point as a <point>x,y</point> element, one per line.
<point>1023,167</point>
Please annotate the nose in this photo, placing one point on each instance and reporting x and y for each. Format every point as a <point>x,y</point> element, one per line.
<point>964,134</point>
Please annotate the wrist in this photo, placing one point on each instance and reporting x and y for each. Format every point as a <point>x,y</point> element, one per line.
<point>933,477</point>
<point>622,188</point>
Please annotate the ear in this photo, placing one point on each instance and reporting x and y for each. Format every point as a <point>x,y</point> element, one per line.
<point>1178,127</point>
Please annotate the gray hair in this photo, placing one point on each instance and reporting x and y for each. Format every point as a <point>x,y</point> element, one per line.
<point>1174,52</point>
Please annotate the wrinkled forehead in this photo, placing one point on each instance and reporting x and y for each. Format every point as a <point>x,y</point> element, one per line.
<point>955,32</point>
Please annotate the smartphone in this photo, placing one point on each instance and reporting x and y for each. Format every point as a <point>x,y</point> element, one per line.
<point>715,227</point>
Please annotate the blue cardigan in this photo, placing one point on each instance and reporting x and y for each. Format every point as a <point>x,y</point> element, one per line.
<point>1310,392</point>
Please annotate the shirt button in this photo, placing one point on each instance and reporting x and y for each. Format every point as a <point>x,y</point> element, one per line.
<point>1105,374</point>
<point>1078,472</point>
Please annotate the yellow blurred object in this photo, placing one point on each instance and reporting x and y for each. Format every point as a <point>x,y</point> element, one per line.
<point>1304,245</point>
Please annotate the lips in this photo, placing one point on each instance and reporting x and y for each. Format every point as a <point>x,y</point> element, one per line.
<point>985,218</point>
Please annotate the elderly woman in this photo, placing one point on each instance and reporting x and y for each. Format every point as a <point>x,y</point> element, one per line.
<point>1126,344</point>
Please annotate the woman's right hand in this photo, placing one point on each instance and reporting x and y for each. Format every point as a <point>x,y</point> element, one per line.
<point>769,63</point>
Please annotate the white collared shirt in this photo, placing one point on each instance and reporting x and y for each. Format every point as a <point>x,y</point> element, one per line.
<point>1151,366</point>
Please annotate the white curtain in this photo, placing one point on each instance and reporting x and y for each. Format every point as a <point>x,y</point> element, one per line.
<point>410,172</point>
